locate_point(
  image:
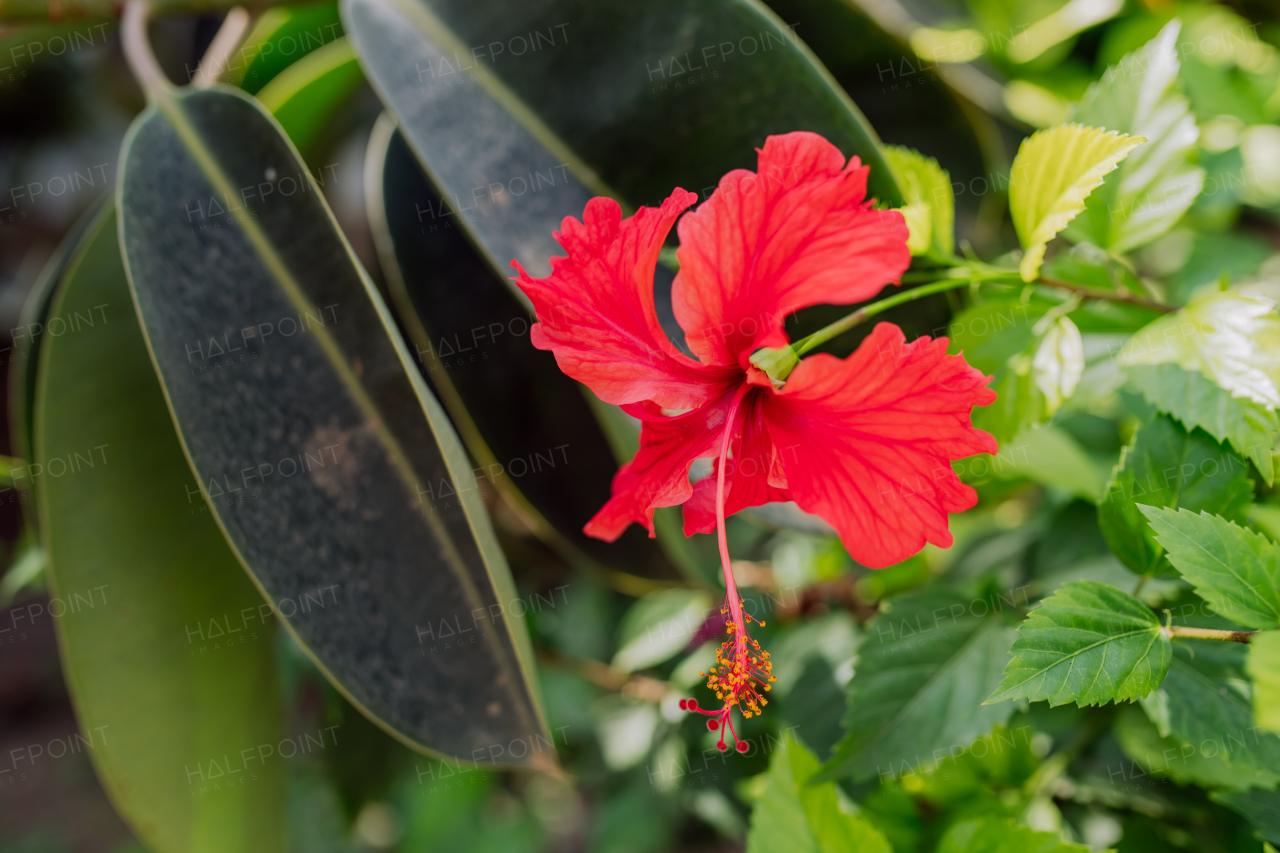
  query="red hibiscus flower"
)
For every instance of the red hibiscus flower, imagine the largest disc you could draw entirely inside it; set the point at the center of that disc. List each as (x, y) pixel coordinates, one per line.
(865, 442)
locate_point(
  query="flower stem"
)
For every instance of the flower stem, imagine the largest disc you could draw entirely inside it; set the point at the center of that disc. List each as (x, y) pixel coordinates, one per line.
(866, 312)
(1179, 631)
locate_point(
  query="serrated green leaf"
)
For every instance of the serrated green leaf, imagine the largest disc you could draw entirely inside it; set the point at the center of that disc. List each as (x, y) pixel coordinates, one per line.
(392, 521)
(1088, 643)
(1001, 835)
(1052, 175)
(1170, 758)
(169, 657)
(998, 338)
(659, 626)
(924, 667)
(792, 816)
(1232, 568)
(1233, 337)
(1046, 454)
(1263, 666)
(1207, 714)
(1167, 466)
(1259, 806)
(930, 208)
(1154, 186)
(1198, 401)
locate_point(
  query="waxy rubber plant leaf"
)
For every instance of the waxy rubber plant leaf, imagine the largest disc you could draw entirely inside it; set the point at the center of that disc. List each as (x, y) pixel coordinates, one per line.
(304, 96)
(513, 136)
(281, 37)
(326, 461)
(537, 444)
(931, 205)
(924, 667)
(1000, 835)
(1232, 337)
(1052, 175)
(793, 816)
(1088, 643)
(1263, 666)
(1234, 569)
(1197, 401)
(167, 648)
(1166, 466)
(1156, 184)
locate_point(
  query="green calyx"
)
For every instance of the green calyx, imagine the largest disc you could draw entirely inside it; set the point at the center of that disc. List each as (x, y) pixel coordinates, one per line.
(777, 363)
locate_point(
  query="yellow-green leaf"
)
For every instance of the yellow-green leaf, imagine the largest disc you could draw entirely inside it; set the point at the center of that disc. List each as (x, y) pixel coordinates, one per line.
(930, 207)
(1053, 174)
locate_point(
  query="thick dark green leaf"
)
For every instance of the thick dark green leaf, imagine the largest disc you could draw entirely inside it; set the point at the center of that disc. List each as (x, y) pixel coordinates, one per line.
(328, 464)
(538, 444)
(304, 96)
(23, 357)
(166, 645)
(792, 816)
(520, 132)
(924, 667)
(1166, 466)
(279, 38)
(1234, 569)
(1088, 643)
(1000, 835)
(1197, 401)
(1207, 714)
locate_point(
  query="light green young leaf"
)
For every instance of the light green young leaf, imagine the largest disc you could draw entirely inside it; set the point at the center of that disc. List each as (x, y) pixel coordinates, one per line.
(1058, 363)
(658, 626)
(1207, 715)
(1167, 466)
(1155, 186)
(1000, 835)
(1046, 454)
(1263, 666)
(1198, 401)
(1052, 175)
(924, 667)
(795, 817)
(930, 208)
(1234, 569)
(1088, 643)
(1232, 337)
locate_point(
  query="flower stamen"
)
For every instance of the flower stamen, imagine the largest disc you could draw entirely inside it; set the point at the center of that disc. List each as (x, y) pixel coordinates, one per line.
(743, 671)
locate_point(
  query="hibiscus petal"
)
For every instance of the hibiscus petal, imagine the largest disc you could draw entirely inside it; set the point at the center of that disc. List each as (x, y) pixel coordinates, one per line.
(766, 244)
(595, 311)
(659, 473)
(747, 480)
(867, 442)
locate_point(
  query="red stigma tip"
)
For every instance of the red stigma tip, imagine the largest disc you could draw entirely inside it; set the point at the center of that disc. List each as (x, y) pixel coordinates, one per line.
(742, 746)
(684, 704)
(722, 746)
(693, 704)
(712, 725)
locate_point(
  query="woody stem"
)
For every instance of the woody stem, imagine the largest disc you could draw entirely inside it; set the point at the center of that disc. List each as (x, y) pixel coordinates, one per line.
(735, 607)
(1176, 631)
